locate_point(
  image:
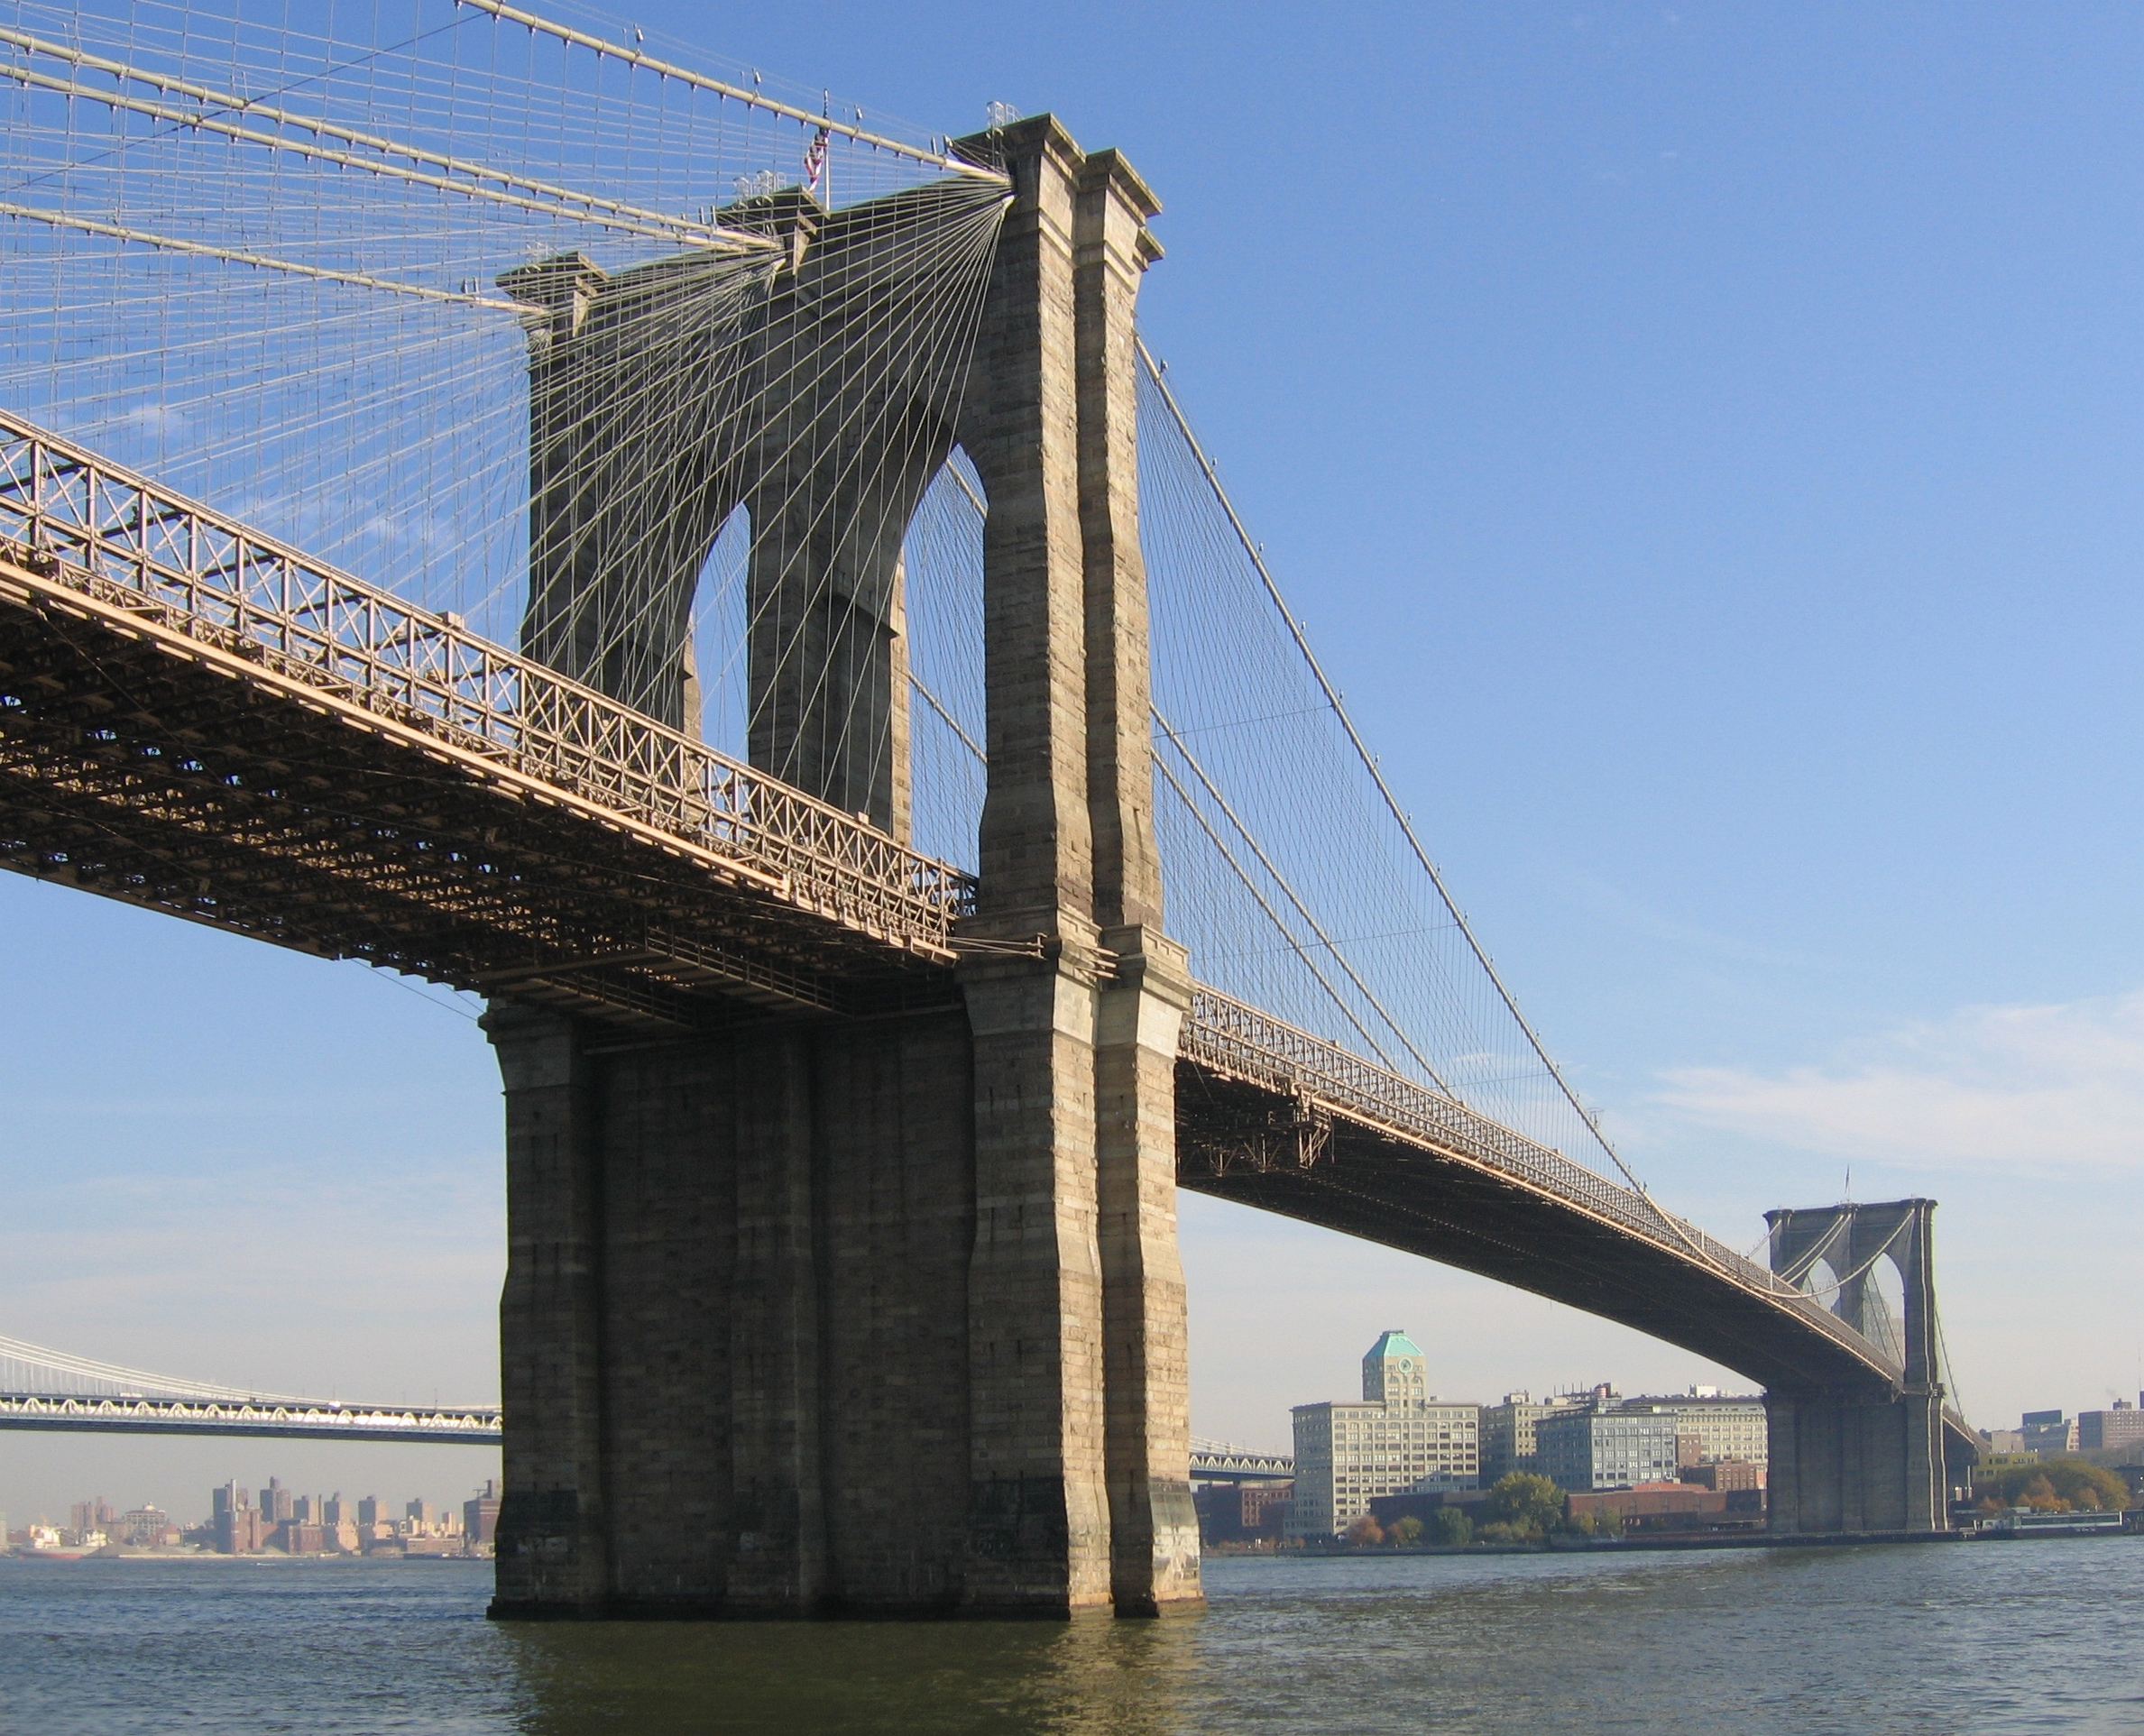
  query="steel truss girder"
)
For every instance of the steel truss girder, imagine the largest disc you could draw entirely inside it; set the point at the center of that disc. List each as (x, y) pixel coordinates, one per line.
(215, 799)
(84, 537)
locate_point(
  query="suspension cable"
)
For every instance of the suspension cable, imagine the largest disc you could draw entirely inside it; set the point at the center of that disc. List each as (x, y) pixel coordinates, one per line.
(1368, 760)
(735, 93)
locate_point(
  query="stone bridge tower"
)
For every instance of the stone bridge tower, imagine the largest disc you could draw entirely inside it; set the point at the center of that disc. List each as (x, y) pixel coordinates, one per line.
(1869, 1458)
(867, 1313)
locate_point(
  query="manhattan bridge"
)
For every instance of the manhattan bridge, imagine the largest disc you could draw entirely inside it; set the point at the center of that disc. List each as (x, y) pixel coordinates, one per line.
(718, 574)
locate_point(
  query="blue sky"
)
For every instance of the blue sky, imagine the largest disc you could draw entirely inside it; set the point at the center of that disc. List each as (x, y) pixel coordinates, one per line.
(1704, 442)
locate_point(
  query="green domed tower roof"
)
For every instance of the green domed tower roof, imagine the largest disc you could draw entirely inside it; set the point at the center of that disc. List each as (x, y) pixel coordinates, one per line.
(1395, 1371)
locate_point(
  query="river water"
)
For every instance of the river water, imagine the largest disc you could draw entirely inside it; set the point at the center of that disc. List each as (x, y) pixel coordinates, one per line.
(2042, 1635)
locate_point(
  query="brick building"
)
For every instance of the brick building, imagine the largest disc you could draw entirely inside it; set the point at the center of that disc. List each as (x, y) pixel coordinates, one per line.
(1243, 1513)
(1675, 1507)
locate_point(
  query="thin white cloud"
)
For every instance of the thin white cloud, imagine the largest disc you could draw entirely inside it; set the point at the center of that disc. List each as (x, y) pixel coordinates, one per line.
(2006, 1088)
(1614, 905)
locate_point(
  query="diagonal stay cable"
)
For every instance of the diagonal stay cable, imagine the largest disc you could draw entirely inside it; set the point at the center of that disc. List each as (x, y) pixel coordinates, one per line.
(633, 56)
(1295, 898)
(655, 226)
(265, 262)
(1368, 760)
(947, 718)
(1272, 915)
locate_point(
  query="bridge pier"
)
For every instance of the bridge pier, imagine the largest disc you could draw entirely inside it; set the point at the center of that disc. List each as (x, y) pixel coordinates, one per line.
(734, 1320)
(884, 1313)
(1864, 1460)
(1855, 1462)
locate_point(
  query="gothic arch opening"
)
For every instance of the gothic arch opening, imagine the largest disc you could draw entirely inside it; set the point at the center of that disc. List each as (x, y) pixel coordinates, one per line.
(943, 586)
(1822, 1281)
(717, 633)
(1883, 1307)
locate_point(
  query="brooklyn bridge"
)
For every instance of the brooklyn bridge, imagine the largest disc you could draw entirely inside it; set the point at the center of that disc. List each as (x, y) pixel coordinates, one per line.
(723, 579)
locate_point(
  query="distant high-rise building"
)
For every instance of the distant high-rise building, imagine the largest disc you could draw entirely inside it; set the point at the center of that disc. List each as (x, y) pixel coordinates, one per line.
(147, 1526)
(480, 1516)
(1507, 1436)
(369, 1511)
(1394, 1372)
(2106, 1431)
(1724, 1426)
(2048, 1431)
(237, 1526)
(86, 1517)
(1400, 1438)
(334, 1509)
(421, 1514)
(277, 1504)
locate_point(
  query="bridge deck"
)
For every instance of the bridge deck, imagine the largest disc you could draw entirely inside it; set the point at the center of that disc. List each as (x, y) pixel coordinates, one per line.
(286, 1419)
(200, 719)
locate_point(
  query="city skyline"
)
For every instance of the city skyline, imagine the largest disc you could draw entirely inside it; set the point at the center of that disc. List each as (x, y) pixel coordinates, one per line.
(19, 1514)
(50, 1472)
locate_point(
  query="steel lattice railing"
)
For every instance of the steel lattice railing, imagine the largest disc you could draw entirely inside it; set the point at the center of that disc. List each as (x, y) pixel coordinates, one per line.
(123, 540)
(1240, 1041)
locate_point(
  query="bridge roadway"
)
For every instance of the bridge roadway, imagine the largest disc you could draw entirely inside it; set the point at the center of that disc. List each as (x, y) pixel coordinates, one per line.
(203, 721)
(281, 1419)
(1216, 1461)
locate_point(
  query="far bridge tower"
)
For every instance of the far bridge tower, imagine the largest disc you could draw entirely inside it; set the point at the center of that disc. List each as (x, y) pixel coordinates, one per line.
(1871, 1457)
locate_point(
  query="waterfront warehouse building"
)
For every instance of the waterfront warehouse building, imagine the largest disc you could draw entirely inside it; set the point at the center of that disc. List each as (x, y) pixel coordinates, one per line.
(1401, 1437)
(1723, 1427)
(1507, 1433)
(1606, 1447)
